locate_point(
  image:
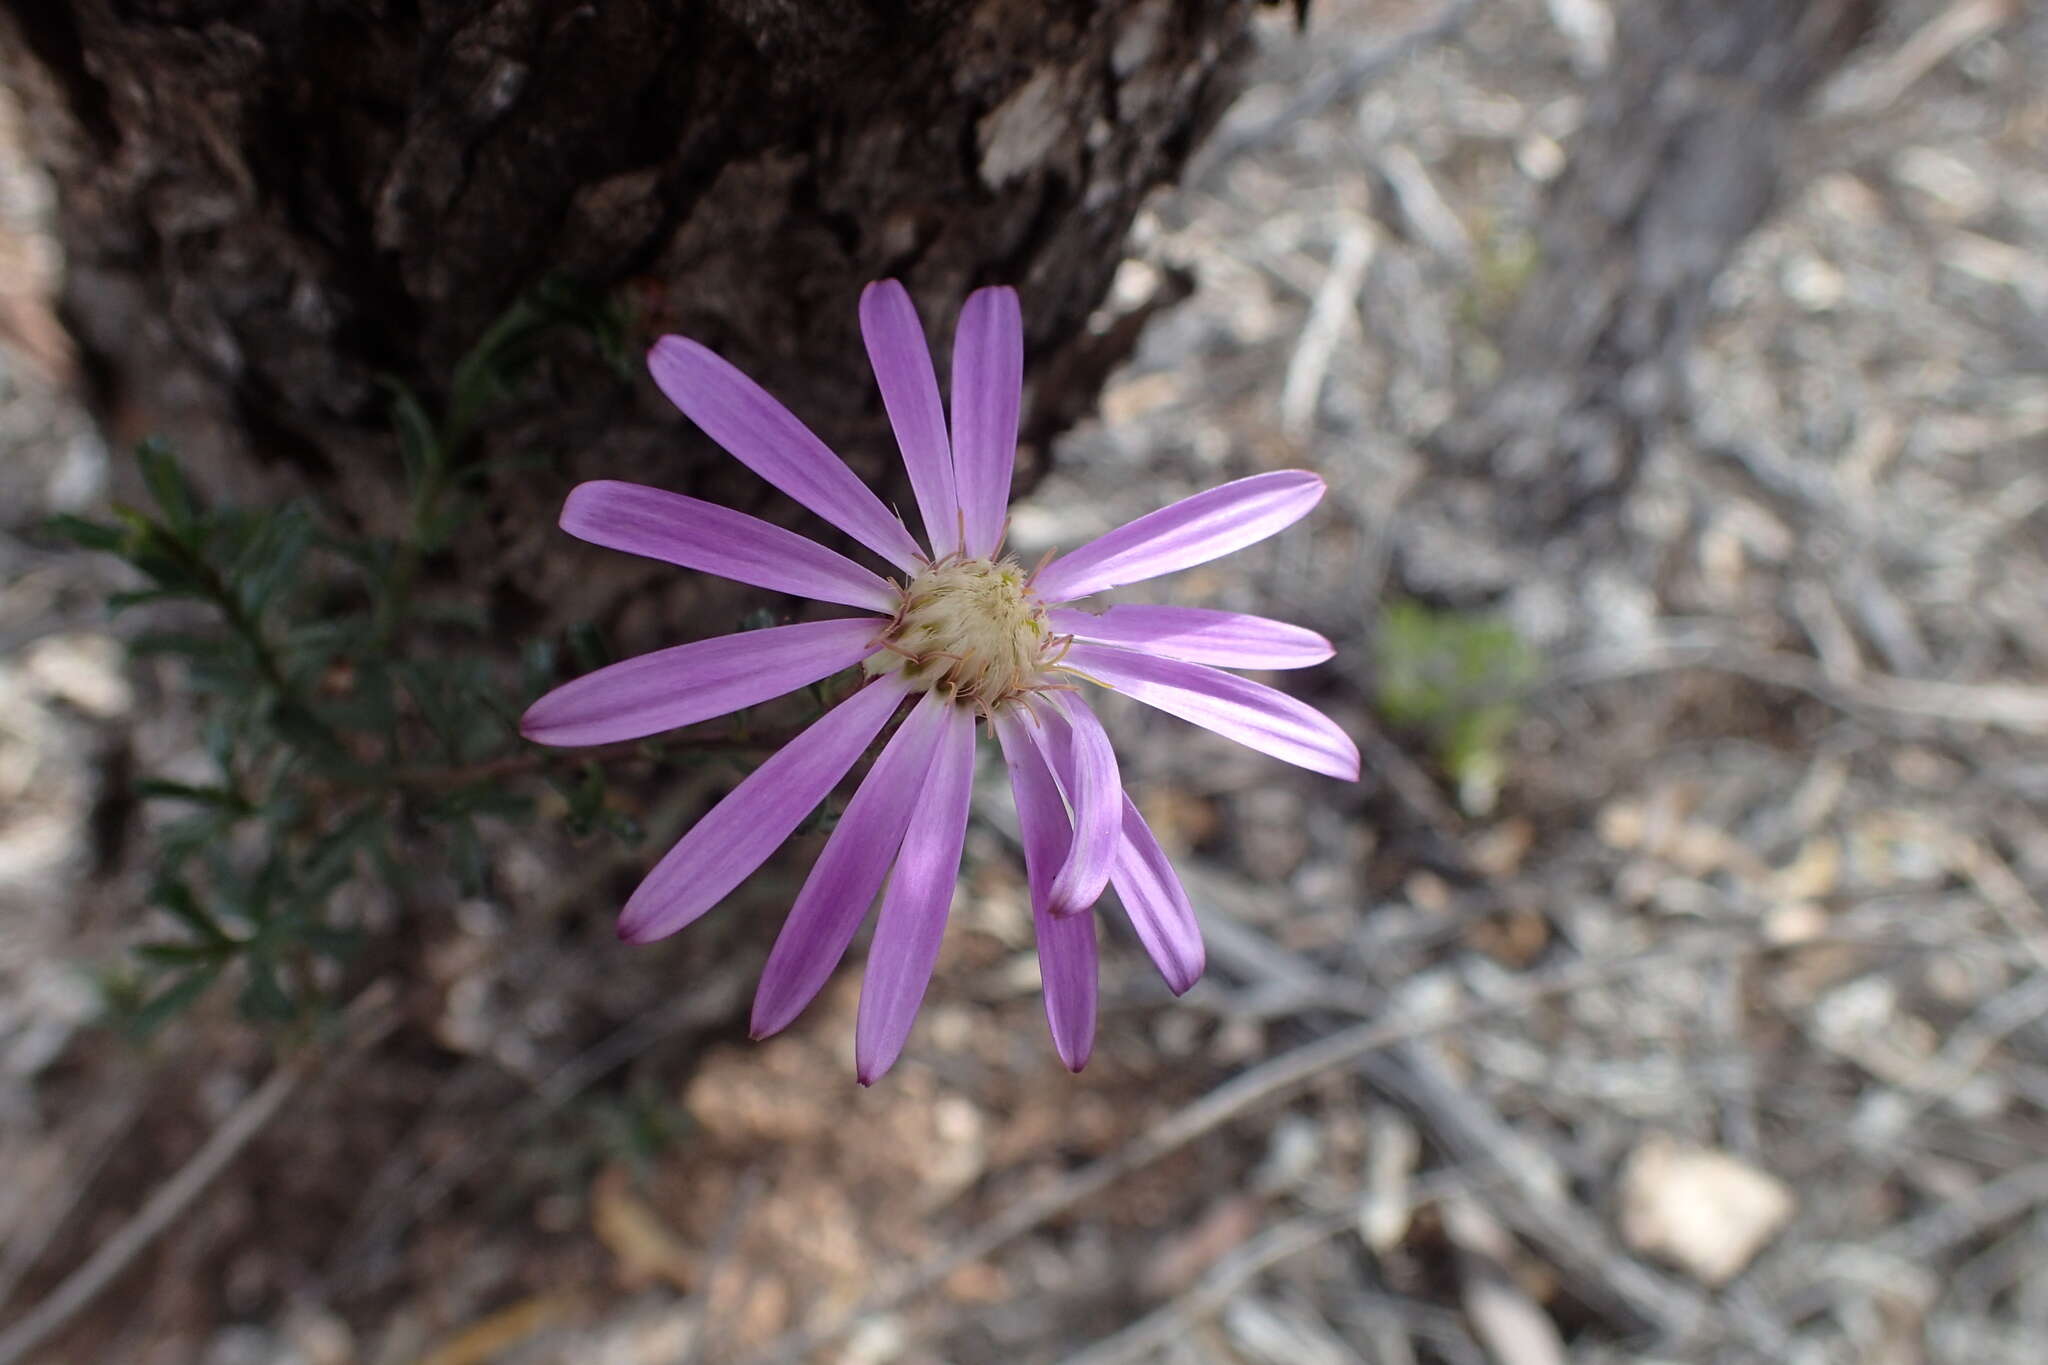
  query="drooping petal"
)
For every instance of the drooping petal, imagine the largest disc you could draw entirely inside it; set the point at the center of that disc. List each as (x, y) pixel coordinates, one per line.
(1180, 535)
(1042, 822)
(1253, 714)
(688, 683)
(910, 392)
(1157, 904)
(767, 438)
(1067, 970)
(912, 921)
(843, 882)
(1066, 943)
(712, 539)
(737, 835)
(1077, 750)
(1227, 639)
(988, 382)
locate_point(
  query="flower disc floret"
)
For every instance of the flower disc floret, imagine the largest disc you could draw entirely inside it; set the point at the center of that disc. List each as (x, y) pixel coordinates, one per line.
(970, 628)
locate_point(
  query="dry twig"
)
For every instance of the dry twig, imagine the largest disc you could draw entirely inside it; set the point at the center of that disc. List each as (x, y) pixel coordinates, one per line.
(367, 1020)
(1248, 1091)
(2006, 706)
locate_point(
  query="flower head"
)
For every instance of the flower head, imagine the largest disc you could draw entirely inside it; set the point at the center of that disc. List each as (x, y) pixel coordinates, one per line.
(964, 635)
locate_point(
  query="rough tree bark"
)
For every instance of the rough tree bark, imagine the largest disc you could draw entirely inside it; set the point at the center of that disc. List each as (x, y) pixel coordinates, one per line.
(1679, 160)
(268, 206)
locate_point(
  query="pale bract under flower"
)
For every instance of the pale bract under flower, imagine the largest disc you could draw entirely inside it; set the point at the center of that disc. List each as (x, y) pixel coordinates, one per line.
(960, 635)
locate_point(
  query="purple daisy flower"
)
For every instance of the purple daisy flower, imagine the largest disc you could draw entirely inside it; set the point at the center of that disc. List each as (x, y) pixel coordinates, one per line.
(964, 634)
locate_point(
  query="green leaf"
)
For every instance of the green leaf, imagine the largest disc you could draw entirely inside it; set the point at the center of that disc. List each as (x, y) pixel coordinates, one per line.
(585, 798)
(331, 860)
(1459, 678)
(170, 1002)
(180, 791)
(419, 444)
(221, 738)
(485, 798)
(537, 662)
(262, 997)
(180, 839)
(331, 942)
(301, 728)
(272, 556)
(435, 706)
(176, 564)
(368, 706)
(176, 898)
(466, 858)
(135, 597)
(88, 535)
(470, 616)
(168, 487)
(450, 513)
(181, 954)
(185, 643)
(588, 648)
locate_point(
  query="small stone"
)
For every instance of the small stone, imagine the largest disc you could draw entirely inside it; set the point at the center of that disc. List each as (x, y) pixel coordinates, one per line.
(1621, 824)
(83, 670)
(1291, 1155)
(1814, 873)
(1794, 923)
(1814, 284)
(1703, 1211)
(1540, 158)
(876, 1339)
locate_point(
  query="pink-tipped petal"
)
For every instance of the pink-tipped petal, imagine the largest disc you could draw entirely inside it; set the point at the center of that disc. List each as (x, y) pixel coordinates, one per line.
(1253, 714)
(843, 882)
(685, 684)
(767, 438)
(1157, 904)
(988, 382)
(1066, 943)
(717, 540)
(1227, 639)
(1192, 531)
(913, 917)
(737, 835)
(910, 393)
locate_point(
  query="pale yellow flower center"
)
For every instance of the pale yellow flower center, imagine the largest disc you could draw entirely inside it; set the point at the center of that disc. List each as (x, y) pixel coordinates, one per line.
(971, 627)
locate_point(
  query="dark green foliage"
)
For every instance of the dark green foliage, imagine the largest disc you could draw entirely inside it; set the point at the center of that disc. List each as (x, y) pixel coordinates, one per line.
(352, 722)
